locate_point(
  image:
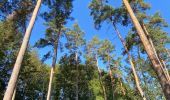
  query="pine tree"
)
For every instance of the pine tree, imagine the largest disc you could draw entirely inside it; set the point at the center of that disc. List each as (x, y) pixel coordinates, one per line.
(105, 13)
(156, 65)
(92, 50)
(56, 19)
(12, 82)
(74, 44)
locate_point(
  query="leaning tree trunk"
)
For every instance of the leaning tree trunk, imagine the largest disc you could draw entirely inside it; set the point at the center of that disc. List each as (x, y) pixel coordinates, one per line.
(119, 79)
(131, 63)
(52, 71)
(12, 82)
(100, 79)
(165, 84)
(156, 54)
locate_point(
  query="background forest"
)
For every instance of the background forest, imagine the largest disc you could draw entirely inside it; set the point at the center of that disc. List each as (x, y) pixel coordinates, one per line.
(84, 50)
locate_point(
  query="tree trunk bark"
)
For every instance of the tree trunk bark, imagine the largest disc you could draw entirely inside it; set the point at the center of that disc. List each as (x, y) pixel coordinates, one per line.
(12, 82)
(52, 71)
(100, 79)
(165, 84)
(156, 54)
(53, 65)
(131, 63)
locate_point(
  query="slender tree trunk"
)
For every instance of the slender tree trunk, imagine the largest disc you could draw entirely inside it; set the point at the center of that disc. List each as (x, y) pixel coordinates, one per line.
(50, 83)
(77, 80)
(100, 79)
(12, 82)
(165, 68)
(165, 84)
(131, 63)
(111, 78)
(119, 78)
(156, 54)
(53, 66)
(52, 72)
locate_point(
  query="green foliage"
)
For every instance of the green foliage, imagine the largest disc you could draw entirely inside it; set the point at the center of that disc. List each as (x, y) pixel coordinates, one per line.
(106, 51)
(75, 38)
(9, 41)
(33, 79)
(66, 81)
(102, 11)
(59, 13)
(32, 71)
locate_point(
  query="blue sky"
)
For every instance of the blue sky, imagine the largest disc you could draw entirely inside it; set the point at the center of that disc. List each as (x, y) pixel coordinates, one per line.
(81, 13)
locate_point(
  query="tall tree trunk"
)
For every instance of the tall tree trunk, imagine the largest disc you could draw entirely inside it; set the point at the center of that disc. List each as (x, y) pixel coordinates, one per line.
(165, 84)
(100, 79)
(119, 79)
(156, 54)
(131, 63)
(12, 82)
(53, 65)
(52, 71)
(77, 76)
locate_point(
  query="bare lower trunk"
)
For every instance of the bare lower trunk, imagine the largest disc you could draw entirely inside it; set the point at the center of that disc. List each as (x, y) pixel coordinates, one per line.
(132, 65)
(52, 72)
(77, 81)
(12, 82)
(50, 83)
(100, 80)
(165, 84)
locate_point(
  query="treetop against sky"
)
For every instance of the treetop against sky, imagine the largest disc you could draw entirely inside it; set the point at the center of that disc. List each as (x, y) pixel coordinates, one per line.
(81, 14)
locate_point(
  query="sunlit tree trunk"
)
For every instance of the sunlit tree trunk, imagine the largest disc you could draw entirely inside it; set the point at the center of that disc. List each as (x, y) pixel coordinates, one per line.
(119, 78)
(165, 84)
(12, 82)
(163, 66)
(100, 79)
(131, 63)
(52, 71)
